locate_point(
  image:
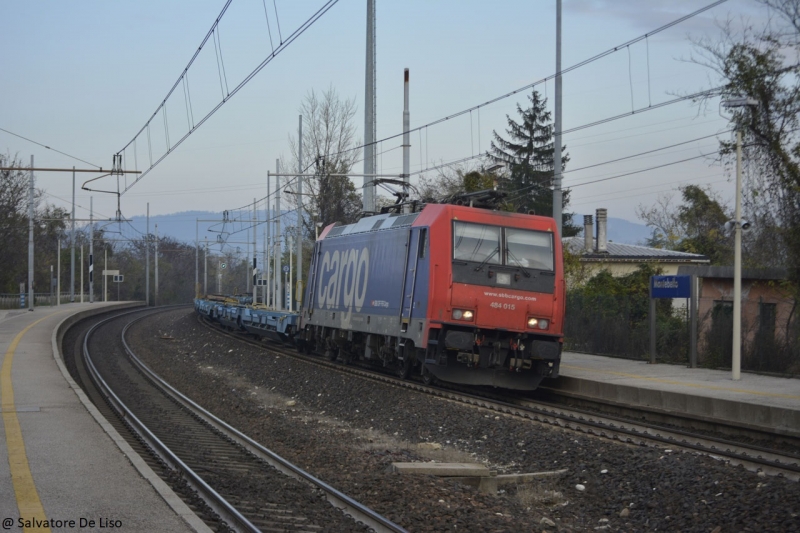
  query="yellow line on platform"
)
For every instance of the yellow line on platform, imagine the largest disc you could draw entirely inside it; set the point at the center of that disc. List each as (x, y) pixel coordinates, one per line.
(30, 507)
(704, 386)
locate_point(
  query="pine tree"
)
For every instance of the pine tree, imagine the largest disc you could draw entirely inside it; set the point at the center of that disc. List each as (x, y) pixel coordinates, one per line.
(528, 156)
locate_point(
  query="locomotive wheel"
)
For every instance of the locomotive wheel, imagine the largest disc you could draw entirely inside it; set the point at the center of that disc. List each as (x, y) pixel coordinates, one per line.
(331, 354)
(404, 369)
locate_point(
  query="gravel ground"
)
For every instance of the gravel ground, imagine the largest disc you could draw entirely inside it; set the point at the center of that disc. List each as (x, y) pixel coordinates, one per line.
(348, 431)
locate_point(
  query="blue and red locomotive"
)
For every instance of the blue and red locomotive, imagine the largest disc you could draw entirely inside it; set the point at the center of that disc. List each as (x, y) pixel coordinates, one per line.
(455, 293)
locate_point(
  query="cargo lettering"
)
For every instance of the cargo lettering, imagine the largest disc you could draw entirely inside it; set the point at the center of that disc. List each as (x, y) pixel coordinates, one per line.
(348, 273)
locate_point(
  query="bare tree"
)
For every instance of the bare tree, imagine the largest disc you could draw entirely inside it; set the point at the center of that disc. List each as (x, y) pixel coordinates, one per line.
(763, 63)
(330, 147)
(448, 181)
(661, 218)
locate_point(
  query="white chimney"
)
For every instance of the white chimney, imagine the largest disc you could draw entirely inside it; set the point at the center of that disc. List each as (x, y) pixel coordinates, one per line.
(602, 235)
(588, 234)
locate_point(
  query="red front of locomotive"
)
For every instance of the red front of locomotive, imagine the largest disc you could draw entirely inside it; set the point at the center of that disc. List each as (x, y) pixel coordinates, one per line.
(496, 297)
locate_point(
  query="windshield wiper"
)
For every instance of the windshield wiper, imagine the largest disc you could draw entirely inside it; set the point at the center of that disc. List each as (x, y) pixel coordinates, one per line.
(488, 258)
(518, 265)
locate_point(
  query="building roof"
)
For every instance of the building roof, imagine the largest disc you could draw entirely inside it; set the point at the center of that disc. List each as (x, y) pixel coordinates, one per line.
(625, 253)
(726, 272)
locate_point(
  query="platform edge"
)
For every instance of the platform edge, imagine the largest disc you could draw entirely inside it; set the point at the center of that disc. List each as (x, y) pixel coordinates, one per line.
(163, 490)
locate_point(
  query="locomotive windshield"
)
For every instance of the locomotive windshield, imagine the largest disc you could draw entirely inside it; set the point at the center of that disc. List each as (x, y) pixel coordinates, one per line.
(476, 242)
(507, 246)
(529, 249)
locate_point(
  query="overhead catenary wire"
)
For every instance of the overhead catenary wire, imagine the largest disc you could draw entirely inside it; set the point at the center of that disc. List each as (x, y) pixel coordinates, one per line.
(49, 148)
(277, 20)
(480, 156)
(563, 71)
(693, 180)
(269, 30)
(284, 44)
(646, 152)
(572, 68)
(577, 128)
(642, 170)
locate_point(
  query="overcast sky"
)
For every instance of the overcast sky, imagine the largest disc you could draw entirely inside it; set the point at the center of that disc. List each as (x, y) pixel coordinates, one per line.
(84, 77)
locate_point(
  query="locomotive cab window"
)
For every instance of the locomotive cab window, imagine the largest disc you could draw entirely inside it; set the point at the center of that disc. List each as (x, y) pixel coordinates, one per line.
(476, 242)
(494, 245)
(529, 249)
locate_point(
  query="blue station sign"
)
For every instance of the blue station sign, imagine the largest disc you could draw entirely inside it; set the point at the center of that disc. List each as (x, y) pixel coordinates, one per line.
(670, 286)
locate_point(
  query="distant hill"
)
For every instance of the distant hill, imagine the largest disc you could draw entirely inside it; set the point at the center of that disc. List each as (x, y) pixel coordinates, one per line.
(181, 226)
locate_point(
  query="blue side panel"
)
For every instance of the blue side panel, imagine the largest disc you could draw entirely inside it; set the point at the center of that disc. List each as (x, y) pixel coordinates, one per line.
(360, 273)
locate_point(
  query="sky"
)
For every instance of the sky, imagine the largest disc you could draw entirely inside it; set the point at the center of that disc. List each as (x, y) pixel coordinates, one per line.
(84, 78)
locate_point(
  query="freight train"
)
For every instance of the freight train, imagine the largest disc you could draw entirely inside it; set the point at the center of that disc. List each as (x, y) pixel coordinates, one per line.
(449, 292)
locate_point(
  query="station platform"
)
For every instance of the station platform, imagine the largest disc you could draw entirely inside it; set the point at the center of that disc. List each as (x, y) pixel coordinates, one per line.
(61, 464)
(758, 402)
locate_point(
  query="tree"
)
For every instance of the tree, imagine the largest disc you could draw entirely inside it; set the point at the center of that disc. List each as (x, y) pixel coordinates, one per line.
(661, 218)
(696, 226)
(528, 157)
(762, 64)
(450, 181)
(704, 217)
(329, 147)
(13, 224)
(49, 225)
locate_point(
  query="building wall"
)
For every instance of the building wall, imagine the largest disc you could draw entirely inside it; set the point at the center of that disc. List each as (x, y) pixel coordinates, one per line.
(754, 293)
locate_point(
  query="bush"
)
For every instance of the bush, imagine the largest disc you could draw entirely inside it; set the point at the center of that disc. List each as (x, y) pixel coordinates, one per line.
(610, 316)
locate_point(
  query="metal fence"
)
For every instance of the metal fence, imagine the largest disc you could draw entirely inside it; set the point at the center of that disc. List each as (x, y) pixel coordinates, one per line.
(619, 326)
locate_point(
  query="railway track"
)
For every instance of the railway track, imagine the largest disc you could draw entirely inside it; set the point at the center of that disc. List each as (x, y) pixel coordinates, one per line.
(243, 486)
(762, 459)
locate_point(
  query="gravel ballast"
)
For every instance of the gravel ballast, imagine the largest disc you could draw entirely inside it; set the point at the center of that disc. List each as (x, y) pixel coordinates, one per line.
(347, 431)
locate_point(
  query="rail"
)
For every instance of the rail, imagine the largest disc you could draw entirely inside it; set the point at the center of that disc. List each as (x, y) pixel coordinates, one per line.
(358, 511)
(218, 504)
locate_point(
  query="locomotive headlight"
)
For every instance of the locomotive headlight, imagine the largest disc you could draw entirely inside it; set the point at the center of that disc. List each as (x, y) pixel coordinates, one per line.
(462, 314)
(540, 323)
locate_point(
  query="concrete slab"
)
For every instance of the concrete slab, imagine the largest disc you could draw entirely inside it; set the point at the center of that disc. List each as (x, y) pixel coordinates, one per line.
(756, 401)
(77, 468)
(443, 469)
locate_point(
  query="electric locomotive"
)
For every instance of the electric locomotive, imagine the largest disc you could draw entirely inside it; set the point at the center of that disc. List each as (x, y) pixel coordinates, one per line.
(456, 293)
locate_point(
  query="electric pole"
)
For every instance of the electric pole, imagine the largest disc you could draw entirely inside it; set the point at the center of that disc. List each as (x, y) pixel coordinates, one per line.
(30, 241)
(369, 113)
(557, 194)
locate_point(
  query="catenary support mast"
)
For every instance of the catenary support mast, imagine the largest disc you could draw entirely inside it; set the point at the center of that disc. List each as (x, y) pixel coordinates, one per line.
(299, 224)
(369, 113)
(557, 194)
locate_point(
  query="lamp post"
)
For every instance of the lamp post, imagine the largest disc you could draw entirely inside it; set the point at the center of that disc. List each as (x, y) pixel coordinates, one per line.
(736, 356)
